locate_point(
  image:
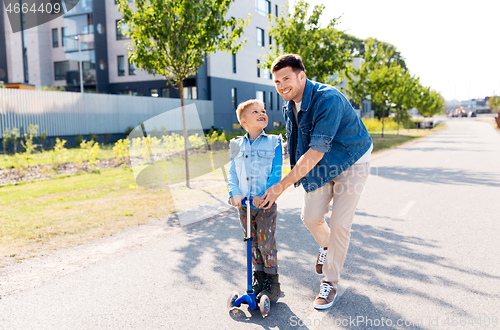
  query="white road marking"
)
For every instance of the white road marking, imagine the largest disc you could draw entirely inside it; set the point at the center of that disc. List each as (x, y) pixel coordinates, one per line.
(406, 209)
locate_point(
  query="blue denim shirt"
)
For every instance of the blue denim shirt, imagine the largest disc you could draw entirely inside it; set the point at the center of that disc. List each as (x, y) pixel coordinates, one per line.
(255, 165)
(327, 123)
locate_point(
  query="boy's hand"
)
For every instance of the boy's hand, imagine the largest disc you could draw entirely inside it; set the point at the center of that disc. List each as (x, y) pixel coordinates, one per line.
(236, 200)
(256, 201)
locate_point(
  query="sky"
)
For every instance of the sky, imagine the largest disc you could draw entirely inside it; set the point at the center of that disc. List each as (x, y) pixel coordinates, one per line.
(453, 46)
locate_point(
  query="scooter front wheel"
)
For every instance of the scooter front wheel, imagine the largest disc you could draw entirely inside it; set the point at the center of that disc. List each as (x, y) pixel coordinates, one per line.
(265, 305)
(231, 299)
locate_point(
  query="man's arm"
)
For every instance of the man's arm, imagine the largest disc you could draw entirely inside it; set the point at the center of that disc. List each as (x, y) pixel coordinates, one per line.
(303, 166)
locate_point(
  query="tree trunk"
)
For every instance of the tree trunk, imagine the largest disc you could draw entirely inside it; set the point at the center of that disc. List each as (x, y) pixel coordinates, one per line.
(408, 120)
(399, 112)
(383, 120)
(361, 109)
(181, 90)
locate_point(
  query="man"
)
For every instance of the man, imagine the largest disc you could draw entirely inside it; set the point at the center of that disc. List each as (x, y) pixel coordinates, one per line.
(329, 149)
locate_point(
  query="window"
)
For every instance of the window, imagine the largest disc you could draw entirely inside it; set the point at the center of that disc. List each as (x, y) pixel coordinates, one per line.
(153, 92)
(234, 63)
(62, 36)
(277, 101)
(234, 101)
(263, 7)
(190, 93)
(270, 40)
(267, 74)
(276, 7)
(165, 92)
(260, 37)
(270, 100)
(258, 69)
(121, 65)
(261, 96)
(60, 69)
(121, 30)
(131, 68)
(55, 38)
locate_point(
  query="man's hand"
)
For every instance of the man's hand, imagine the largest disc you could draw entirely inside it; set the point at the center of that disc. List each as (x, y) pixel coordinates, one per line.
(236, 200)
(303, 166)
(270, 196)
(256, 201)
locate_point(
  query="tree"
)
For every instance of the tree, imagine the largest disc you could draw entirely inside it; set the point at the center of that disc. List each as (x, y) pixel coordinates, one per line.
(374, 54)
(381, 82)
(323, 51)
(430, 102)
(404, 94)
(172, 37)
(494, 104)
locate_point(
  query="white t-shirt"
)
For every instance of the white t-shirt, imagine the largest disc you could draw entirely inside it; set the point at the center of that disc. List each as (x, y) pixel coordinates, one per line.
(364, 159)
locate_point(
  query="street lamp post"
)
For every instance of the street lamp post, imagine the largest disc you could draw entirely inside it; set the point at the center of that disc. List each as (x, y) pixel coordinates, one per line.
(78, 37)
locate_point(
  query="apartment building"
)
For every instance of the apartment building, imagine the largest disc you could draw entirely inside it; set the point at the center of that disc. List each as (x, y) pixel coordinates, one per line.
(50, 55)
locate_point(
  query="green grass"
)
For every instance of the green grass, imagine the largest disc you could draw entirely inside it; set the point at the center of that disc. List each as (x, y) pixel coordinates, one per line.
(67, 211)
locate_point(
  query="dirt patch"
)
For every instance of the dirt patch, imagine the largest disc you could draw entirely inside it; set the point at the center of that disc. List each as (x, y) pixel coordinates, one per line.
(46, 172)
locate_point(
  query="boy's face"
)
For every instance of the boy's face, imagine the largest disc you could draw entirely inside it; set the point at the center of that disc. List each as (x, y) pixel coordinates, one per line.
(254, 117)
(290, 85)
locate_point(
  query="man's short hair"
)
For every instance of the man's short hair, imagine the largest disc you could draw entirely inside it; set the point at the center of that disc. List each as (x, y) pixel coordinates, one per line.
(288, 60)
(244, 105)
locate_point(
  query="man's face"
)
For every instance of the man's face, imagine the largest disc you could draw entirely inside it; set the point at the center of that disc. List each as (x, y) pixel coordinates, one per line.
(290, 85)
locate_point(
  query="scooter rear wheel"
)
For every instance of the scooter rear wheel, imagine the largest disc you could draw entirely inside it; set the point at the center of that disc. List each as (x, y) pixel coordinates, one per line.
(265, 305)
(231, 299)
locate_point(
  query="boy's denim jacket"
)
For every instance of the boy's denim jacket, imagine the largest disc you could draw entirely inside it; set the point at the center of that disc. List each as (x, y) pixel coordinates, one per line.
(254, 166)
(327, 123)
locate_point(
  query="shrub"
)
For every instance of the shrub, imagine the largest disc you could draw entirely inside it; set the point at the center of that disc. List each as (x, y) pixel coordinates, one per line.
(121, 151)
(28, 144)
(5, 140)
(14, 135)
(78, 140)
(59, 153)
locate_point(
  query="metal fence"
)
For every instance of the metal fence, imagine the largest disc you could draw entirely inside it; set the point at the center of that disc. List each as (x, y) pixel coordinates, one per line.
(66, 114)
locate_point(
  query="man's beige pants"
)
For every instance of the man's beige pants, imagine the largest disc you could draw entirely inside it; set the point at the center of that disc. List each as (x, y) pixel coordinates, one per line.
(345, 190)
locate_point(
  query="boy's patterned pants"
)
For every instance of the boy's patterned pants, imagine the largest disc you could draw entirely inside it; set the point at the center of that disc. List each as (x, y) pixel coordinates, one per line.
(263, 226)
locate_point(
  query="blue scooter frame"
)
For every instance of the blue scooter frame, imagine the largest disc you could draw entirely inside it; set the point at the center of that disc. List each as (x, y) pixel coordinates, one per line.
(249, 297)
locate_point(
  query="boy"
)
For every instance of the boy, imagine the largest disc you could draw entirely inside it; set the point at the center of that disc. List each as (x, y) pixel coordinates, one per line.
(256, 161)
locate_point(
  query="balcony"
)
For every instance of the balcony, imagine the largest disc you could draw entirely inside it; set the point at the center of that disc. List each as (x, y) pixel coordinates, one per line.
(78, 7)
(71, 44)
(73, 77)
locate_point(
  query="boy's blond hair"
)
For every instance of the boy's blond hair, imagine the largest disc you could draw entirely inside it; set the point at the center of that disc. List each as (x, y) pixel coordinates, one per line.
(244, 105)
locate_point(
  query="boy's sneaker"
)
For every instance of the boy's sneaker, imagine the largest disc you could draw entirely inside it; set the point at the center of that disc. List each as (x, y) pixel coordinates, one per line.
(326, 296)
(321, 260)
(272, 287)
(259, 278)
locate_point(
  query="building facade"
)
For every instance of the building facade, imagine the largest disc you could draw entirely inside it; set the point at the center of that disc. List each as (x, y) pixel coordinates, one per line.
(50, 55)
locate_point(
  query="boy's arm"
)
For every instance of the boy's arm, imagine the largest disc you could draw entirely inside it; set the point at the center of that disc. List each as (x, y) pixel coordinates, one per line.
(276, 168)
(233, 180)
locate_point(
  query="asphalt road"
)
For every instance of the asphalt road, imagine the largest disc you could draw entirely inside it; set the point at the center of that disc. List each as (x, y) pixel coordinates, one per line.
(424, 254)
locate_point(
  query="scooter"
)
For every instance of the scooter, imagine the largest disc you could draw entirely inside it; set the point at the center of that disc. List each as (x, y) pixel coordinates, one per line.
(249, 297)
